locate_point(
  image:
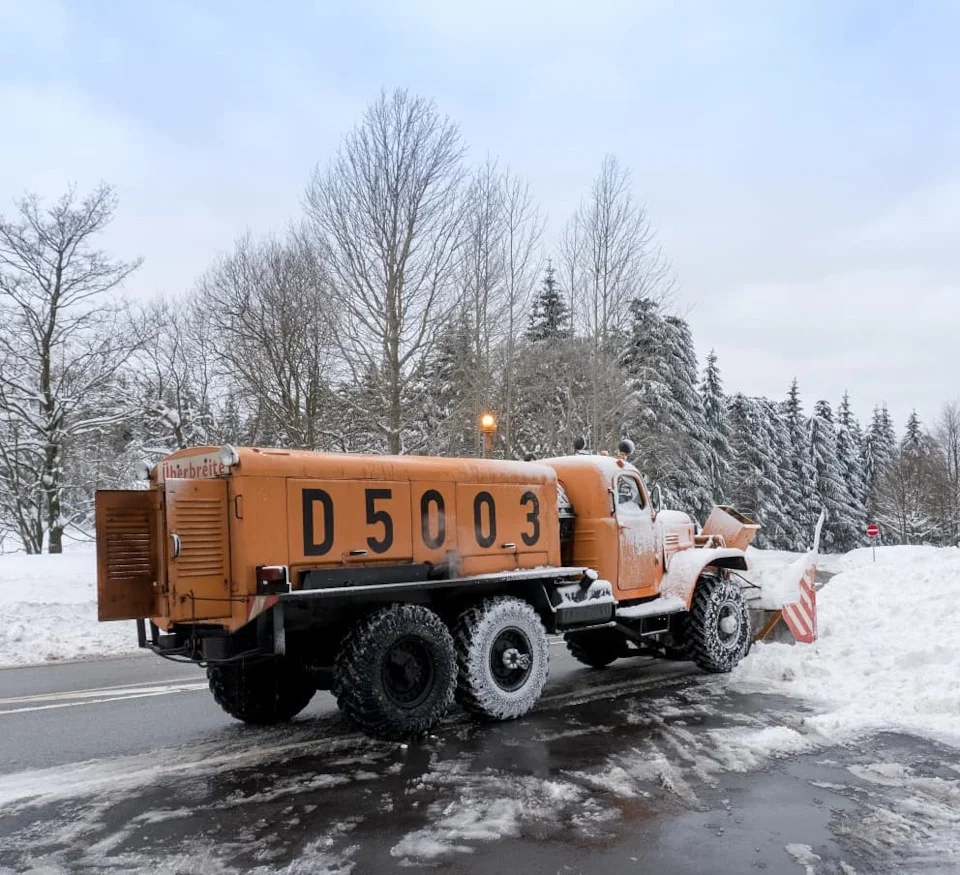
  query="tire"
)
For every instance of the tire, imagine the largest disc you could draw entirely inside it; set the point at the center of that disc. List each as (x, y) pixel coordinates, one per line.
(503, 658)
(396, 672)
(718, 626)
(595, 649)
(262, 693)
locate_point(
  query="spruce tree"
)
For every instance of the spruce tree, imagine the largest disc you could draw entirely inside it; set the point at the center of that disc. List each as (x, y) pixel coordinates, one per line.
(849, 455)
(799, 472)
(550, 317)
(684, 418)
(913, 434)
(842, 526)
(642, 360)
(879, 450)
(717, 428)
(753, 491)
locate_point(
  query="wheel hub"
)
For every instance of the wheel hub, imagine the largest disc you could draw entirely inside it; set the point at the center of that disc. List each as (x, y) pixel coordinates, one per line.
(408, 672)
(511, 659)
(514, 659)
(729, 625)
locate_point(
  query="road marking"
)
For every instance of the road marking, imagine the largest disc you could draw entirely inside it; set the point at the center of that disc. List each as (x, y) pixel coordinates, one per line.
(96, 691)
(97, 697)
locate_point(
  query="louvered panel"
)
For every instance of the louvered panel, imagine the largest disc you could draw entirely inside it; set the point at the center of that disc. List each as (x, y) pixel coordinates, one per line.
(126, 526)
(200, 527)
(200, 573)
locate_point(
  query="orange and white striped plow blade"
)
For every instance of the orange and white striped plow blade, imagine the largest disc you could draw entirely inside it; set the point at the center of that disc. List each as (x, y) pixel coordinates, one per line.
(801, 616)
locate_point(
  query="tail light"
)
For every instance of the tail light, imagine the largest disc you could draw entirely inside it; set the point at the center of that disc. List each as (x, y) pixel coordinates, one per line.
(272, 579)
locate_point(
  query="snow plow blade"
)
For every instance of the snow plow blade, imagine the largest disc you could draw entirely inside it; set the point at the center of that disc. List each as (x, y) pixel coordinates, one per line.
(787, 612)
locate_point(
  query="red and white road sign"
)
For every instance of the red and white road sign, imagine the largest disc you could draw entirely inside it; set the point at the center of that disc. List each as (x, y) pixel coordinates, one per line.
(801, 616)
(873, 531)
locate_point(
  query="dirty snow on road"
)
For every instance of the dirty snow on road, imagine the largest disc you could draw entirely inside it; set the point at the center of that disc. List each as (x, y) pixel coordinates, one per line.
(49, 609)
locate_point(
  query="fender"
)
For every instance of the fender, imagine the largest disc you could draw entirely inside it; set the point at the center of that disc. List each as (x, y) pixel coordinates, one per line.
(686, 567)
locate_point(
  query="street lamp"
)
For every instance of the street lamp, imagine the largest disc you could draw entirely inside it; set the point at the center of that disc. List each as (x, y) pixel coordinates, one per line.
(488, 428)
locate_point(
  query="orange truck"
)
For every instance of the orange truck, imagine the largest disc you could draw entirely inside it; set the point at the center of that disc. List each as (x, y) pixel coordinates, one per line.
(401, 583)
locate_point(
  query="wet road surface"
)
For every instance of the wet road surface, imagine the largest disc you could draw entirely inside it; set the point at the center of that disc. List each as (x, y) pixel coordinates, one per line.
(129, 766)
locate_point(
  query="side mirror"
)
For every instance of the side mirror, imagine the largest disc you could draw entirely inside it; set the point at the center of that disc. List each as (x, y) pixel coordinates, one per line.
(656, 499)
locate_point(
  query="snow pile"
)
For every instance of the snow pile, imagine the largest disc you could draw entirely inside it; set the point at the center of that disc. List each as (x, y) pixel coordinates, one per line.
(48, 606)
(889, 650)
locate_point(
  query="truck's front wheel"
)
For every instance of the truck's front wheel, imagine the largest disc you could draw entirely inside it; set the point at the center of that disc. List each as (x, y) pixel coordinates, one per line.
(718, 625)
(503, 656)
(262, 692)
(396, 671)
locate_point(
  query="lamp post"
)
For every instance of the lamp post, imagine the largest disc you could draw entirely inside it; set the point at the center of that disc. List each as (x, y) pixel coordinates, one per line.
(488, 428)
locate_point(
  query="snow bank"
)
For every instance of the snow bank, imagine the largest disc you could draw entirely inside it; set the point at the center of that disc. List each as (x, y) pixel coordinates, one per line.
(889, 650)
(48, 610)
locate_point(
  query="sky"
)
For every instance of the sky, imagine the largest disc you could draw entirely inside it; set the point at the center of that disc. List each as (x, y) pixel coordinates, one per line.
(799, 160)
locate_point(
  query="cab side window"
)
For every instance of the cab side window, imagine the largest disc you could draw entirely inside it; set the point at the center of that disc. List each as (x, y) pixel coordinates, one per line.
(629, 496)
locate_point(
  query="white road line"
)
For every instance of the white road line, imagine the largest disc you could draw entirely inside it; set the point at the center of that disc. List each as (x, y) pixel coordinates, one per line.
(97, 691)
(97, 697)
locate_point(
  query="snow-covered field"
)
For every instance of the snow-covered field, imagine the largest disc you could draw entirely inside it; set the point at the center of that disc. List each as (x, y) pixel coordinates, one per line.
(48, 610)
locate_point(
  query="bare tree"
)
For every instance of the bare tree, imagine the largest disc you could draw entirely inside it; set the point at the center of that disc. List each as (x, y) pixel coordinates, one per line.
(610, 258)
(947, 434)
(387, 216)
(522, 232)
(482, 282)
(268, 307)
(175, 372)
(611, 255)
(62, 344)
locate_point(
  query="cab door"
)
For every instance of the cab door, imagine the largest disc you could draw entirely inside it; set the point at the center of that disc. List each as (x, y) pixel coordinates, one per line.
(638, 568)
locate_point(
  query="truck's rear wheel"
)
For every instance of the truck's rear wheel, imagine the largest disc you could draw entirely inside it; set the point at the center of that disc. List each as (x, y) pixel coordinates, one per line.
(262, 692)
(718, 625)
(595, 648)
(503, 658)
(396, 672)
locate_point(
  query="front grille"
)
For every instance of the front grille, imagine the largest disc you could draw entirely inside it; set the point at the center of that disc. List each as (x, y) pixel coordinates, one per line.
(126, 540)
(200, 525)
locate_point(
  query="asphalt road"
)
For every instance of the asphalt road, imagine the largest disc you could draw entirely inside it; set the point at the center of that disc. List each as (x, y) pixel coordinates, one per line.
(127, 765)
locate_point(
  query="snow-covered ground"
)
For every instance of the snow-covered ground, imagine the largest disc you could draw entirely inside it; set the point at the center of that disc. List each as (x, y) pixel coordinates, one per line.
(888, 655)
(48, 610)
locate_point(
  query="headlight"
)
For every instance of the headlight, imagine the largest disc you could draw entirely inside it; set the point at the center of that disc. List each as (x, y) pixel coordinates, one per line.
(229, 456)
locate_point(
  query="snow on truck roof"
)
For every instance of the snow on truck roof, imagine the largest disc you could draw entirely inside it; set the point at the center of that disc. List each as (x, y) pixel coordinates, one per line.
(275, 462)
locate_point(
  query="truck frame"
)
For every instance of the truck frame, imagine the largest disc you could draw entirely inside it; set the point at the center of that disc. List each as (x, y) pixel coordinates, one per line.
(403, 583)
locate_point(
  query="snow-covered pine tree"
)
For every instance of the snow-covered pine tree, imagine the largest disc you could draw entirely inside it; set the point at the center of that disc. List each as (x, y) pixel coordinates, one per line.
(842, 527)
(780, 526)
(641, 362)
(849, 454)
(684, 417)
(752, 490)
(913, 434)
(717, 429)
(879, 449)
(447, 394)
(550, 315)
(798, 473)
